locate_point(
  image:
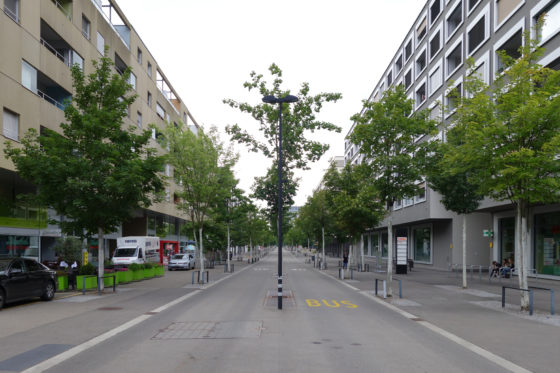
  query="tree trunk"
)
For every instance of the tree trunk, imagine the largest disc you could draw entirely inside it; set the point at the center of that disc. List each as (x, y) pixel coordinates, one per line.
(390, 255)
(201, 254)
(464, 251)
(362, 253)
(228, 249)
(521, 257)
(100, 259)
(251, 248)
(323, 262)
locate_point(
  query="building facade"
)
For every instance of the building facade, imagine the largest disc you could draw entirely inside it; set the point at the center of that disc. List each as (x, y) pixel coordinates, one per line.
(429, 63)
(40, 40)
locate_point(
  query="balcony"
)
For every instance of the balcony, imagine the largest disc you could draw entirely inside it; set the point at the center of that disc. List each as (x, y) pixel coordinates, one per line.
(59, 47)
(51, 92)
(65, 6)
(114, 18)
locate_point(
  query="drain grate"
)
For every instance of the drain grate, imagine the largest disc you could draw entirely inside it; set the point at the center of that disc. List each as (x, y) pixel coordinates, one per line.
(211, 330)
(271, 300)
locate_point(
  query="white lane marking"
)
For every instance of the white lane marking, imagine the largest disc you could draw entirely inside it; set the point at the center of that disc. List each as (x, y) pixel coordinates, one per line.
(452, 337)
(55, 360)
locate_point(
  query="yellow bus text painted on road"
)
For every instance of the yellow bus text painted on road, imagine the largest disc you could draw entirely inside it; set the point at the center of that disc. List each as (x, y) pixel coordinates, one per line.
(330, 304)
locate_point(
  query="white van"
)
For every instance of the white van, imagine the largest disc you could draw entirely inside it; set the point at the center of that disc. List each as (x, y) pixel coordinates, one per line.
(136, 249)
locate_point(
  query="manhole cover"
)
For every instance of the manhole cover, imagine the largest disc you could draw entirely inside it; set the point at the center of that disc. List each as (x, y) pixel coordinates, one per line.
(271, 300)
(109, 308)
(211, 330)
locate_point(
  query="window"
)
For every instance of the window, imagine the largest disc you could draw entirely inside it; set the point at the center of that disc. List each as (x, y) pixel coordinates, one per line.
(408, 79)
(408, 50)
(454, 59)
(511, 48)
(139, 56)
(552, 22)
(435, 11)
(28, 76)
(422, 244)
(478, 31)
(421, 94)
(421, 196)
(453, 97)
(184, 117)
(139, 119)
(11, 8)
(435, 44)
(421, 62)
(160, 111)
(149, 99)
(435, 110)
(77, 60)
(132, 80)
(10, 127)
(100, 43)
(149, 69)
(397, 205)
(389, 78)
(474, 3)
(435, 78)
(454, 20)
(86, 27)
(398, 64)
(421, 31)
(505, 8)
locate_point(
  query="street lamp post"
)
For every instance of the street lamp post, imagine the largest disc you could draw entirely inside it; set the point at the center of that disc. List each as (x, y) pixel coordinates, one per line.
(273, 100)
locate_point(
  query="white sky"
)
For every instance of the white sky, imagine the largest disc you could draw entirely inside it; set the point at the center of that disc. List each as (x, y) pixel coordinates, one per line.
(207, 48)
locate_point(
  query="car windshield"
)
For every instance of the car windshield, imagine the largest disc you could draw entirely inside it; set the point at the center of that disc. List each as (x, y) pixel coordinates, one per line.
(125, 252)
(178, 256)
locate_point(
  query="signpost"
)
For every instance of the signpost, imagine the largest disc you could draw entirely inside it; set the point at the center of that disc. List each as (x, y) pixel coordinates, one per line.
(402, 246)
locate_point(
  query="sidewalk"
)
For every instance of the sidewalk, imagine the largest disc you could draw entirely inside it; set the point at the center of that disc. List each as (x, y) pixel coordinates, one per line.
(474, 314)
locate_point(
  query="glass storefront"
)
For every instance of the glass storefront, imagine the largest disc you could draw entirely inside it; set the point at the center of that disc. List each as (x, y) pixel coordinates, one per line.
(547, 243)
(27, 246)
(507, 238)
(374, 244)
(422, 245)
(384, 244)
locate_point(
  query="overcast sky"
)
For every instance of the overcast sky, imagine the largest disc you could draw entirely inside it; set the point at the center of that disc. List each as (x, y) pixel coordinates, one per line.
(207, 49)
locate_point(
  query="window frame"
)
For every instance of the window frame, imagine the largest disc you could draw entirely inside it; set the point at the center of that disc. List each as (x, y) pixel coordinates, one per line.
(536, 11)
(407, 41)
(424, 50)
(484, 13)
(423, 81)
(470, 10)
(413, 230)
(417, 24)
(520, 25)
(451, 49)
(139, 56)
(99, 35)
(448, 90)
(441, 7)
(431, 90)
(437, 31)
(399, 57)
(88, 22)
(411, 71)
(11, 14)
(498, 25)
(8, 134)
(448, 36)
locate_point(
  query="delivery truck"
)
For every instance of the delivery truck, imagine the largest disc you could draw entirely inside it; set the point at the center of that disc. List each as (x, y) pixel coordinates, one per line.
(136, 249)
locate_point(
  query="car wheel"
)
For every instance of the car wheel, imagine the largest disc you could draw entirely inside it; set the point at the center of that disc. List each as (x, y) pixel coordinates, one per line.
(170, 269)
(49, 291)
(2, 299)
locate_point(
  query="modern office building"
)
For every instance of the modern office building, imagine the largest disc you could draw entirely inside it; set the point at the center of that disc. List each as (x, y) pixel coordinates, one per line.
(429, 62)
(40, 40)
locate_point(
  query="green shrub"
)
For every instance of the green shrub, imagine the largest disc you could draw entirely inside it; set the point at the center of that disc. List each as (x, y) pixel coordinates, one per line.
(148, 265)
(88, 269)
(134, 267)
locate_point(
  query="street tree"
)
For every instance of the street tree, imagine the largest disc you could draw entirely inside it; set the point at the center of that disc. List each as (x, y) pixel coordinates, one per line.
(353, 201)
(510, 134)
(299, 122)
(203, 169)
(95, 172)
(389, 135)
(316, 211)
(458, 193)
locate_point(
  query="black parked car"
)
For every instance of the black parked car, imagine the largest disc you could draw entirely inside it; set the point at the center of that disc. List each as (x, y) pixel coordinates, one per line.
(25, 278)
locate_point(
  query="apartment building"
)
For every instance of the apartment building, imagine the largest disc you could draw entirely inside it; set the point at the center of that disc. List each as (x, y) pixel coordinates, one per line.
(429, 63)
(40, 40)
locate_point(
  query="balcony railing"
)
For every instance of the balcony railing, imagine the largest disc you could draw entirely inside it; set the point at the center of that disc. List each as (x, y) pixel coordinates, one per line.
(63, 10)
(51, 49)
(50, 100)
(10, 13)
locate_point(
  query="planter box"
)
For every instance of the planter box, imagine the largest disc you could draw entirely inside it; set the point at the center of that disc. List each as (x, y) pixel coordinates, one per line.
(137, 275)
(91, 282)
(159, 270)
(108, 281)
(124, 277)
(149, 273)
(62, 283)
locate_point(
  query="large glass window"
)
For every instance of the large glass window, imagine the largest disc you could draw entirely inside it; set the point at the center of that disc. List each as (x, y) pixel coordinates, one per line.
(547, 243)
(423, 244)
(11, 8)
(374, 240)
(10, 125)
(384, 244)
(100, 43)
(28, 76)
(477, 35)
(507, 238)
(552, 20)
(27, 246)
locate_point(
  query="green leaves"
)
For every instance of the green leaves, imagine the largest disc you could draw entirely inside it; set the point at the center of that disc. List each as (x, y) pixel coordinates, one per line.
(88, 172)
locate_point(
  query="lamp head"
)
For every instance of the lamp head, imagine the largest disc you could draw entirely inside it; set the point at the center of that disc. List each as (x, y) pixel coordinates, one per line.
(270, 99)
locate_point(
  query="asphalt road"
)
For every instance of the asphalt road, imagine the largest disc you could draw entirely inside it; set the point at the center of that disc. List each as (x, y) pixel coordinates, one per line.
(235, 326)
